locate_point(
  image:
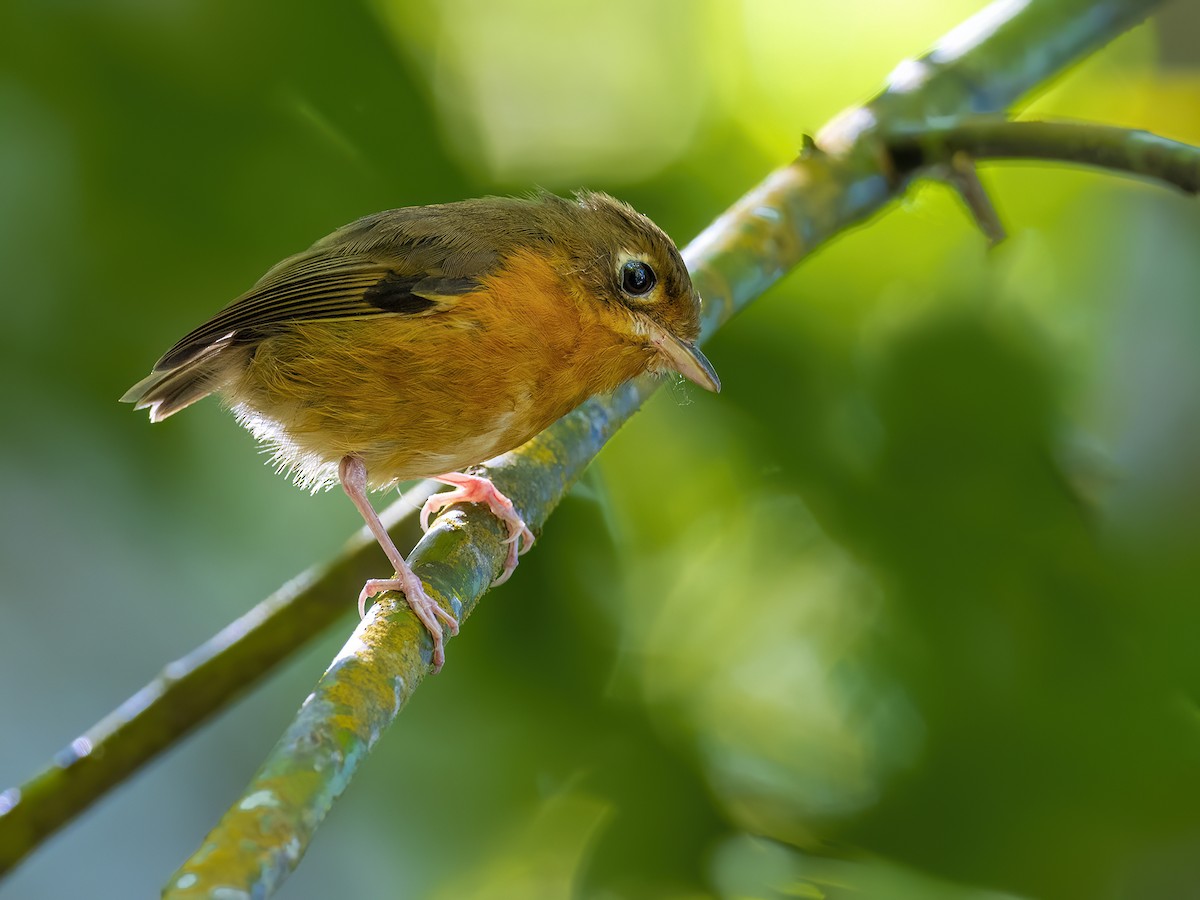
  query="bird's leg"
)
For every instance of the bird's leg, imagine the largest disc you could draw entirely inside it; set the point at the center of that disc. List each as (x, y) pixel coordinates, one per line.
(352, 472)
(477, 489)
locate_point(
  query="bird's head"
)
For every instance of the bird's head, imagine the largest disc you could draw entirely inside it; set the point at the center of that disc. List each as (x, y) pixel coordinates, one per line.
(630, 264)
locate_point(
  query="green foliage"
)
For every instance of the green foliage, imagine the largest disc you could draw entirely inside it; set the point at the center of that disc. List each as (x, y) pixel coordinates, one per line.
(911, 605)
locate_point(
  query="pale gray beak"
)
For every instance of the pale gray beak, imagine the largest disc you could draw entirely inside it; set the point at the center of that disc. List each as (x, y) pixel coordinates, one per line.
(685, 358)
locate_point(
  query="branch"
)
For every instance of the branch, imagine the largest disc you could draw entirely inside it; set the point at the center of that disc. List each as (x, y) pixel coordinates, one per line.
(1122, 150)
(981, 67)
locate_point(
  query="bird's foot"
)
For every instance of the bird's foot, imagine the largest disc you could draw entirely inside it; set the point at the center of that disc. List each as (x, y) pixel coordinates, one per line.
(425, 607)
(477, 489)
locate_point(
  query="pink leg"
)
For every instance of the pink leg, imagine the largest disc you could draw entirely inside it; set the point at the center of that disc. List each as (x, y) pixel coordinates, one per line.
(477, 489)
(353, 474)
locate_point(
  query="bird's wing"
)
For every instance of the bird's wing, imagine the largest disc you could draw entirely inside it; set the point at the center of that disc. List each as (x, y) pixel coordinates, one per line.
(323, 285)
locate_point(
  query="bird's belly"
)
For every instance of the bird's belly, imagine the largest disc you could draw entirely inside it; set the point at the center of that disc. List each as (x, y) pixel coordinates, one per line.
(413, 454)
(406, 411)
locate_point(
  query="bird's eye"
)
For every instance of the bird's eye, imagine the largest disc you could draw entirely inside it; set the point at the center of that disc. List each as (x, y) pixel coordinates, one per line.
(637, 278)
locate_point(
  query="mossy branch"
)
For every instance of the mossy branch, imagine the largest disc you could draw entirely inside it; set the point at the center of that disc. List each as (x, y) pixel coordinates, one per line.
(981, 67)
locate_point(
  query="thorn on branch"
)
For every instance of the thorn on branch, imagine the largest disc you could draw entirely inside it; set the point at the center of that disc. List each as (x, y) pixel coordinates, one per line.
(964, 178)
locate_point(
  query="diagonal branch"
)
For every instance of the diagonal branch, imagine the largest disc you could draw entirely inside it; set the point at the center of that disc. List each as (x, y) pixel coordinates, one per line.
(981, 67)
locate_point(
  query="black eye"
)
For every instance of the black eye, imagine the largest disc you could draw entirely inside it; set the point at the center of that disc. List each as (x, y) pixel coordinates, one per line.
(637, 278)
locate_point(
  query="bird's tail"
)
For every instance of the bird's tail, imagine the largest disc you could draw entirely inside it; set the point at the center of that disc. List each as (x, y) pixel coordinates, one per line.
(166, 391)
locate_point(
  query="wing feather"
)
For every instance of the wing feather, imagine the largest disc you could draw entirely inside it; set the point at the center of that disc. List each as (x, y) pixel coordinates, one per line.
(312, 289)
(409, 262)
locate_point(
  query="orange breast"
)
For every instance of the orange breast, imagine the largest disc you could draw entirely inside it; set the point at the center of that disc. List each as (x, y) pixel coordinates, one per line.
(422, 395)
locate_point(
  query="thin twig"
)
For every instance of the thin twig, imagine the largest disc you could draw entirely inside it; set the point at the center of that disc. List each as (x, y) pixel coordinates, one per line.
(1123, 150)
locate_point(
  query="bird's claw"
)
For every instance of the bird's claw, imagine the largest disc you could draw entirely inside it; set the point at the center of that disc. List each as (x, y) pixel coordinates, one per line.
(522, 537)
(477, 489)
(427, 610)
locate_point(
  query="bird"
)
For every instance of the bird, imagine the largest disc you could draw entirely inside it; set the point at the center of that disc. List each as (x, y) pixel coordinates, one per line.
(419, 342)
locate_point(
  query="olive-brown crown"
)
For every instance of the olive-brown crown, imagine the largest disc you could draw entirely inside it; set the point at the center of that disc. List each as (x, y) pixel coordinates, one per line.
(623, 258)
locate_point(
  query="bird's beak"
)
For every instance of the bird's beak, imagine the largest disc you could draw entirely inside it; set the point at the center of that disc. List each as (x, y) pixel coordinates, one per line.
(685, 358)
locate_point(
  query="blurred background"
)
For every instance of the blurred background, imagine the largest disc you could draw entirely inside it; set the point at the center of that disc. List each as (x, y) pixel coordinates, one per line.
(909, 610)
